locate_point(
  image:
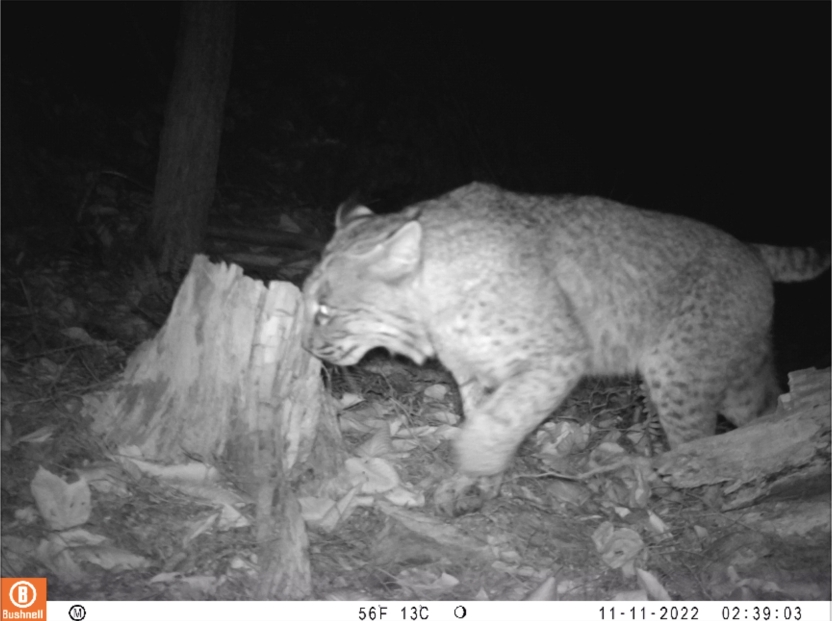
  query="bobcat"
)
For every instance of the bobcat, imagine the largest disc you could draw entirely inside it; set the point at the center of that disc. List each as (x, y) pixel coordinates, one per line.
(520, 295)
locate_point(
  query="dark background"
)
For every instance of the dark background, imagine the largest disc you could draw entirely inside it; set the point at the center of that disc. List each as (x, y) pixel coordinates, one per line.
(720, 111)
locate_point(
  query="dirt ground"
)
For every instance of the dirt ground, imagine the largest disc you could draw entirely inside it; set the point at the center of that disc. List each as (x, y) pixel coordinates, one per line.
(67, 330)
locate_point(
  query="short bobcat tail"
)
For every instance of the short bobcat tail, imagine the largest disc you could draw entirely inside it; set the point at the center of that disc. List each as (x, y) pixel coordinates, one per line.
(794, 264)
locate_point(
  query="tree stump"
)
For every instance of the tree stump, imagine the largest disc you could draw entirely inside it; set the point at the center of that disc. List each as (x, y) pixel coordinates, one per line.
(227, 381)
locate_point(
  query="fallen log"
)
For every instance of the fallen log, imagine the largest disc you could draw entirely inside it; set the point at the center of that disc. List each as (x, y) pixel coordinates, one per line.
(786, 452)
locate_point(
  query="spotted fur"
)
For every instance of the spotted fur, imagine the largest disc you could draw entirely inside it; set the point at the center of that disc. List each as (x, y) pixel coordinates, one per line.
(521, 295)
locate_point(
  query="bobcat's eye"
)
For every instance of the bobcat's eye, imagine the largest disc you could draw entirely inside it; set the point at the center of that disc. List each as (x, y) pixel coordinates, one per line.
(323, 315)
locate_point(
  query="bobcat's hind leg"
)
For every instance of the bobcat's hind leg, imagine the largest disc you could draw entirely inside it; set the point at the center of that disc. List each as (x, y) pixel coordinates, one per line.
(753, 390)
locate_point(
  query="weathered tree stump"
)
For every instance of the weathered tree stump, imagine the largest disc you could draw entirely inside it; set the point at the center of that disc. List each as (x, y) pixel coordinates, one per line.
(227, 381)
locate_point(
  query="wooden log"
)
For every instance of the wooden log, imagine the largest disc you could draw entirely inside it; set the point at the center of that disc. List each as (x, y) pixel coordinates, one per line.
(787, 451)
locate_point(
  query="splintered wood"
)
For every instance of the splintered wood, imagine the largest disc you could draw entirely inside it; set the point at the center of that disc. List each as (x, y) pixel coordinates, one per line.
(227, 381)
(786, 451)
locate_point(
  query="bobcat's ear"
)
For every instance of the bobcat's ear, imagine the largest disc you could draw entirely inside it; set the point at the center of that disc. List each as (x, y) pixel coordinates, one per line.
(349, 211)
(399, 255)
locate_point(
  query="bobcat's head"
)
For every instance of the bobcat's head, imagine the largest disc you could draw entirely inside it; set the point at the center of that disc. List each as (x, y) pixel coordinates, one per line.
(364, 292)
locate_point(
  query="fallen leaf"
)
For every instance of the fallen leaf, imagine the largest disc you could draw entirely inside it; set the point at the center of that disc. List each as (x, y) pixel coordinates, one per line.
(230, 518)
(105, 478)
(630, 596)
(403, 497)
(54, 555)
(655, 590)
(617, 547)
(656, 524)
(77, 334)
(378, 445)
(546, 592)
(62, 505)
(375, 475)
(26, 515)
(39, 436)
(348, 400)
(169, 576)
(200, 527)
(324, 513)
(568, 492)
(110, 557)
(436, 392)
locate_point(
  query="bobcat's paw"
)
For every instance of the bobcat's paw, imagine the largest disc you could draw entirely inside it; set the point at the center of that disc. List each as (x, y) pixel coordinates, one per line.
(463, 494)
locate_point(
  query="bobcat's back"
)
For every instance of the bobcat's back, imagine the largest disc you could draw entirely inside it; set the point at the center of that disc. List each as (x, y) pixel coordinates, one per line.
(520, 295)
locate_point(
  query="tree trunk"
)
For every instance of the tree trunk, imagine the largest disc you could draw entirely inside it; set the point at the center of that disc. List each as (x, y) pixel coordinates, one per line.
(190, 141)
(227, 381)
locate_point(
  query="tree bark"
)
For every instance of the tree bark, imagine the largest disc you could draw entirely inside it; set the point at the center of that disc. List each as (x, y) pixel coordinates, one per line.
(190, 141)
(227, 381)
(787, 452)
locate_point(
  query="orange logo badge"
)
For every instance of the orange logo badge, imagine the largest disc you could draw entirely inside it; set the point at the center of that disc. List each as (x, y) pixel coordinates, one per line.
(23, 598)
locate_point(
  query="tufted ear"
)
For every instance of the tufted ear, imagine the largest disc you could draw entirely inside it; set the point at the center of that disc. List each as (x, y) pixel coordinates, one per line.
(349, 211)
(399, 254)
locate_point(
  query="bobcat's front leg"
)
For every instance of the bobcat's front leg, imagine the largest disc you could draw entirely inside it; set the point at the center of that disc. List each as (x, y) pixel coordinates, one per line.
(497, 419)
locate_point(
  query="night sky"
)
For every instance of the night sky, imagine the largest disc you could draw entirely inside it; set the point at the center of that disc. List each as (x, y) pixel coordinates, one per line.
(720, 111)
